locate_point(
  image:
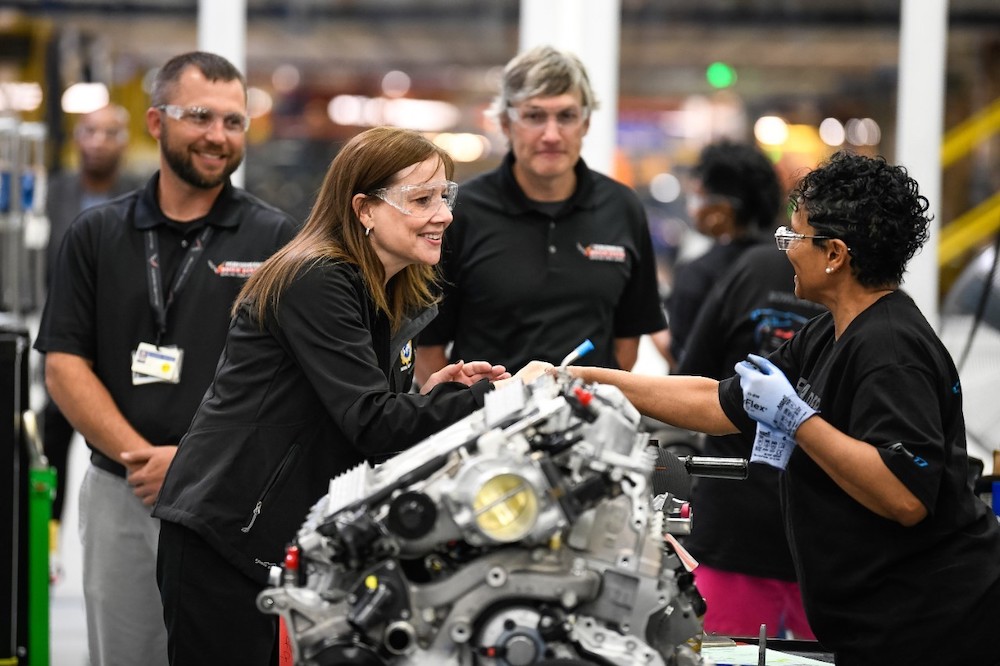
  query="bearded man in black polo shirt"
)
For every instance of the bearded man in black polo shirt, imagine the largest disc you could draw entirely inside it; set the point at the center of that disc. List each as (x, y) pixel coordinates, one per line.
(544, 252)
(135, 321)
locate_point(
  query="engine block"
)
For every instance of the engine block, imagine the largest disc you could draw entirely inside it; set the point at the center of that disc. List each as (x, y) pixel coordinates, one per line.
(525, 533)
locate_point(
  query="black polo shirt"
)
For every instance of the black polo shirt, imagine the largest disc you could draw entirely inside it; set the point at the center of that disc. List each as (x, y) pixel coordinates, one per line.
(525, 280)
(99, 307)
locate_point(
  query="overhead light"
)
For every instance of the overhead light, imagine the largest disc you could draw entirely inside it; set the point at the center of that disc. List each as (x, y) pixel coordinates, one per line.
(395, 83)
(259, 102)
(770, 130)
(85, 97)
(832, 132)
(463, 147)
(20, 96)
(423, 115)
(665, 187)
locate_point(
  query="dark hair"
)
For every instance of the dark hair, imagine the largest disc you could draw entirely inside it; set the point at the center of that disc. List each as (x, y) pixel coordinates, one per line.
(214, 67)
(333, 231)
(873, 206)
(746, 176)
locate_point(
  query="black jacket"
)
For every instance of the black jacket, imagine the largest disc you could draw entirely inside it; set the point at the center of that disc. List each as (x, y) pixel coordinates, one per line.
(320, 388)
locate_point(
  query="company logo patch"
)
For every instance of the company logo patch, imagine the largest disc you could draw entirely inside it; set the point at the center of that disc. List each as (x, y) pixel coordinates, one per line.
(406, 356)
(599, 252)
(238, 269)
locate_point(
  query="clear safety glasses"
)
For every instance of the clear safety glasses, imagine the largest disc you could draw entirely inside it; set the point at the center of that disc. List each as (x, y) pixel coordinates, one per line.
(784, 237)
(423, 199)
(536, 118)
(202, 118)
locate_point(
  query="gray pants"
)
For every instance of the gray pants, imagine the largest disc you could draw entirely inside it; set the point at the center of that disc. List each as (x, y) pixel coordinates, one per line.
(124, 613)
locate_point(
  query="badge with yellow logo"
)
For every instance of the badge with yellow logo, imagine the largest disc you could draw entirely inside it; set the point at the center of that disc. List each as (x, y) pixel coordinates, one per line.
(406, 355)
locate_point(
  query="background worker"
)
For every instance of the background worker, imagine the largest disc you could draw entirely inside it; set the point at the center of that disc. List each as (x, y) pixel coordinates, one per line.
(740, 295)
(544, 252)
(101, 139)
(734, 199)
(151, 275)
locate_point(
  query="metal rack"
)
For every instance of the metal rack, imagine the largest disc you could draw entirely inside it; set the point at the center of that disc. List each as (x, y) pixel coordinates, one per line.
(24, 229)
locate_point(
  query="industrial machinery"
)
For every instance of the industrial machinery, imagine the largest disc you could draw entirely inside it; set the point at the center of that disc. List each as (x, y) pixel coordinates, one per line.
(526, 533)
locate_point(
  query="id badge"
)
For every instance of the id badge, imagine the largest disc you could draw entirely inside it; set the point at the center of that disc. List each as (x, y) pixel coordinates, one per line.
(156, 364)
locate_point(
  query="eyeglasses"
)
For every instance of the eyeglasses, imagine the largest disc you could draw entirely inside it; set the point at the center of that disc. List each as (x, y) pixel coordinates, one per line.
(422, 200)
(784, 236)
(203, 118)
(536, 118)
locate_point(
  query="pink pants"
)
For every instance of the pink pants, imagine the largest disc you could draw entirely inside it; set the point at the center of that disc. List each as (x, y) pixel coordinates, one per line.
(738, 604)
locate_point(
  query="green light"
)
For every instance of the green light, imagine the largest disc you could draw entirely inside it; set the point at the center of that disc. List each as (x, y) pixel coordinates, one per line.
(720, 75)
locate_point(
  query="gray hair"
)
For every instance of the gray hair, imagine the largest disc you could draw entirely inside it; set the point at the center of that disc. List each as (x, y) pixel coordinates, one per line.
(542, 71)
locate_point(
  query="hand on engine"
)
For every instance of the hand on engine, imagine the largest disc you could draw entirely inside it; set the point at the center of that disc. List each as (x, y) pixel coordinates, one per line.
(528, 373)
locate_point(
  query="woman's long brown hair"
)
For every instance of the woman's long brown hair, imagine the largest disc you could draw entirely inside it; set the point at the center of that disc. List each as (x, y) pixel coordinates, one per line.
(333, 231)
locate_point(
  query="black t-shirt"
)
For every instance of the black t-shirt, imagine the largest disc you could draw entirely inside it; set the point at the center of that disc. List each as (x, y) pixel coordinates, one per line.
(524, 284)
(877, 592)
(692, 282)
(99, 306)
(737, 525)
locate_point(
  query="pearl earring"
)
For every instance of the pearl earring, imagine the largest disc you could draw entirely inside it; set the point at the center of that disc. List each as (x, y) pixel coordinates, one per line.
(828, 270)
(368, 231)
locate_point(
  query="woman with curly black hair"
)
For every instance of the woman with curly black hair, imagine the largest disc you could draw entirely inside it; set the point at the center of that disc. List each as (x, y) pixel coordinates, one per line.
(898, 561)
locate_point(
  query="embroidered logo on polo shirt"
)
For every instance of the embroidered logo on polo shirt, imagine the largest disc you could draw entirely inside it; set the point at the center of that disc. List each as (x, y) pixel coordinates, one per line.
(239, 269)
(599, 252)
(406, 356)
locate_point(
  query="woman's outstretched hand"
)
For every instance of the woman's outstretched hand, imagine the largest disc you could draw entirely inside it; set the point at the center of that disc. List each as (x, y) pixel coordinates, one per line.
(465, 373)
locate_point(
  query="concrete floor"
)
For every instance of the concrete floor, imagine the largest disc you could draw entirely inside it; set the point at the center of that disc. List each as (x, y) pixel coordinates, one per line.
(68, 623)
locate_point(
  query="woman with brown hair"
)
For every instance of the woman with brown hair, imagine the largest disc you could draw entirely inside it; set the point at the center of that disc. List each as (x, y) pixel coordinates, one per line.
(314, 379)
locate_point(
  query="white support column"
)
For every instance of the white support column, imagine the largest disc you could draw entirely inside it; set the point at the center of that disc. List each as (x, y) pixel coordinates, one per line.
(590, 29)
(920, 128)
(222, 29)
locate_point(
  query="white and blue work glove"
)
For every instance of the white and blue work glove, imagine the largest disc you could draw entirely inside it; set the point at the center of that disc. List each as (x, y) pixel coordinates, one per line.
(772, 447)
(768, 397)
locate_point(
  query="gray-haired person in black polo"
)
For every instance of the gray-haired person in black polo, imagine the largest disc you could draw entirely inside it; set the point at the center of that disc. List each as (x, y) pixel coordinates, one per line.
(544, 252)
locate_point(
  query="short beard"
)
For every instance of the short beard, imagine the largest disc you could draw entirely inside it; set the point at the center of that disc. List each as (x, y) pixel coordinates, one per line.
(181, 164)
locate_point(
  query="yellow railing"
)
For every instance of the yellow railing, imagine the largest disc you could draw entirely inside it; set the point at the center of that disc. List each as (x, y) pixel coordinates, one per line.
(960, 140)
(976, 225)
(969, 229)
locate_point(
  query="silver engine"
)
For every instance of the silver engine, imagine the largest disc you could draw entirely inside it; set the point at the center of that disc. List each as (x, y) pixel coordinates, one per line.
(524, 534)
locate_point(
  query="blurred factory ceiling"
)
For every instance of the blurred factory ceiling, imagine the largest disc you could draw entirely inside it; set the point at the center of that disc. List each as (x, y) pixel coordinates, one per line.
(803, 60)
(665, 43)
